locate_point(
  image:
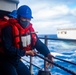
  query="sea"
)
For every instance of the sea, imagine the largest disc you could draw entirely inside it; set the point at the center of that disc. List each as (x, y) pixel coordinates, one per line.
(62, 49)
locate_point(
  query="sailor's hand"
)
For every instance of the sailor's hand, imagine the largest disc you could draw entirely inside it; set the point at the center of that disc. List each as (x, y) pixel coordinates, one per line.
(51, 59)
(31, 53)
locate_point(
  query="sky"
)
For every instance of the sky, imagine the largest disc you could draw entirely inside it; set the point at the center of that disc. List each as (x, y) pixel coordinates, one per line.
(50, 15)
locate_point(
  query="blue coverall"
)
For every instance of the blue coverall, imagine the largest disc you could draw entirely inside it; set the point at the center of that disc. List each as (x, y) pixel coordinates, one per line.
(10, 63)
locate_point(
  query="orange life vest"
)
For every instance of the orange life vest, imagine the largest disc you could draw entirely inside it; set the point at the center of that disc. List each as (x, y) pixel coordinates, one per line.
(24, 38)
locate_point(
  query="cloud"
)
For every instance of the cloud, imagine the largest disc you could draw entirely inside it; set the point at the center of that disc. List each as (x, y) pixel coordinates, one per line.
(53, 12)
(73, 11)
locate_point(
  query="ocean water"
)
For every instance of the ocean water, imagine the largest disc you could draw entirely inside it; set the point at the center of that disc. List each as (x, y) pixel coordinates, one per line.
(65, 50)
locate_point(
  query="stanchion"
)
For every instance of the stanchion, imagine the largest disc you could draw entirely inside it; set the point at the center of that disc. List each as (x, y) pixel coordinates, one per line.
(44, 72)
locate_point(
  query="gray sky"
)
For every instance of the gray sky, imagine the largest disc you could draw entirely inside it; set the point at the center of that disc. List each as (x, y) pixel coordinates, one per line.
(49, 15)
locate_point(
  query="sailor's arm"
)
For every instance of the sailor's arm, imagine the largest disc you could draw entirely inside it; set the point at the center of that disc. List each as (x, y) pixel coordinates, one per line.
(42, 48)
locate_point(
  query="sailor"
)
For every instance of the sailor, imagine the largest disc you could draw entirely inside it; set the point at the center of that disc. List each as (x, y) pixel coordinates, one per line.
(13, 14)
(17, 40)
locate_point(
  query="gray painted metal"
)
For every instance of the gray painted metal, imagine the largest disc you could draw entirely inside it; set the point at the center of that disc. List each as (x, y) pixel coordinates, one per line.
(14, 1)
(8, 5)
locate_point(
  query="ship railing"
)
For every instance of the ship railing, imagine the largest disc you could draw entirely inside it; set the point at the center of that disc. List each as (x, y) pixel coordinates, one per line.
(47, 60)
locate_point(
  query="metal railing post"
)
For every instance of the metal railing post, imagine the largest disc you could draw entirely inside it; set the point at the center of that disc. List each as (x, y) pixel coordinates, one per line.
(46, 42)
(31, 67)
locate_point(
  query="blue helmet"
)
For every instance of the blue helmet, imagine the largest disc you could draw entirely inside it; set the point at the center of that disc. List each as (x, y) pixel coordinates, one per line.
(24, 11)
(13, 14)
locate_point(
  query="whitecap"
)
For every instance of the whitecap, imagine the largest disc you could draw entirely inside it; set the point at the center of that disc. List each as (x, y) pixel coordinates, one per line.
(56, 54)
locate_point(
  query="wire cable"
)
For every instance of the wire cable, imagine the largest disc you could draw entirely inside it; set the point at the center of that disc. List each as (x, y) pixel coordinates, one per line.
(65, 69)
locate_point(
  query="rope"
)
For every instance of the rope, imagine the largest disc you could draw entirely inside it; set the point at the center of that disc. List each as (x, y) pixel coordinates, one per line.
(69, 71)
(64, 60)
